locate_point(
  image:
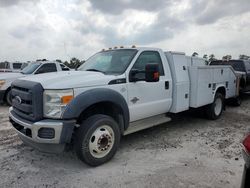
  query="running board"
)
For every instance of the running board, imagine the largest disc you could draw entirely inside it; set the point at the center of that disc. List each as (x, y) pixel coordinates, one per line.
(146, 123)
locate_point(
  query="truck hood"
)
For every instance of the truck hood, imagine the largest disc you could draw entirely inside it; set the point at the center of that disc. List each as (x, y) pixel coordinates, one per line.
(70, 79)
(11, 76)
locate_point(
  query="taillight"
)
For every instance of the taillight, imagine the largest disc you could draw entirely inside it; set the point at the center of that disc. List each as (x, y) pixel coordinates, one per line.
(246, 143)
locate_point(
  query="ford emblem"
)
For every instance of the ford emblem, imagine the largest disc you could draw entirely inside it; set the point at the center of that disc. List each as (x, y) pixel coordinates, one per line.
(18, 99)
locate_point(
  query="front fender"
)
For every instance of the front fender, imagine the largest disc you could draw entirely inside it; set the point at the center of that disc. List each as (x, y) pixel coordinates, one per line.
(93, 96)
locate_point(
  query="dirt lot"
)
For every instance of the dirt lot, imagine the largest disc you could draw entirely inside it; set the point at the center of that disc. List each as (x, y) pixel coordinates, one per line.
(188, 152)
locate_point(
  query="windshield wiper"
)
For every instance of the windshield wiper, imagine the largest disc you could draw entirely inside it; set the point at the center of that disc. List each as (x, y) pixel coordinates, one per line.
(95, 70)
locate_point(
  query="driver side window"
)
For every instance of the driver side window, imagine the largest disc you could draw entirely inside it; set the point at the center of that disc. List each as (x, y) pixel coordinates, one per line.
(48, 67)
(145, 58)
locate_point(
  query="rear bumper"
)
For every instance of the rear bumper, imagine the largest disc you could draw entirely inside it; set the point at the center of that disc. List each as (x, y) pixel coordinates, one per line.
(46, 135)
(2, 94)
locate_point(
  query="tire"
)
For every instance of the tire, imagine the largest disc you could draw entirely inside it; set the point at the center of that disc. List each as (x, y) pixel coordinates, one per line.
(97, 139)
(8, 98)
(215, 109)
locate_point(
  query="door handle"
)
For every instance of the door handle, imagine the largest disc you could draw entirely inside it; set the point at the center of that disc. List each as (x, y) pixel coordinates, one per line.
(167, 85)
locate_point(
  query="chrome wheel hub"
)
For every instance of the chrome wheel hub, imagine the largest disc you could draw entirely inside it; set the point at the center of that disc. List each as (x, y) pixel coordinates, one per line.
(218, 106)
(101, 141)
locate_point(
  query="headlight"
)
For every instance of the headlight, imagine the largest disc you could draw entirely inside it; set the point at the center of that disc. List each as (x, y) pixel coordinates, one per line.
(2, 82)
(55, 102)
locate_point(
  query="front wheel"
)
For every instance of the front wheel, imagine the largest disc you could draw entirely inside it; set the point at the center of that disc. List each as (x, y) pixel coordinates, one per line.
(97, 139)
(215, 109)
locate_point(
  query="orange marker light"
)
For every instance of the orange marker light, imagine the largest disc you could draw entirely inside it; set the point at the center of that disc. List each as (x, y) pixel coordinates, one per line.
(66, 99)
(156, 75)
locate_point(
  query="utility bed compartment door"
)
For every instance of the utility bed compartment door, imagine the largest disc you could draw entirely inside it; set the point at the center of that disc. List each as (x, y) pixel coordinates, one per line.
(201, 92)
(206, 79)
(181, 84)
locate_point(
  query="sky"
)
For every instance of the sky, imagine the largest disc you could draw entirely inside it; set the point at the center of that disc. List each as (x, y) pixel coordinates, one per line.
(62, 29)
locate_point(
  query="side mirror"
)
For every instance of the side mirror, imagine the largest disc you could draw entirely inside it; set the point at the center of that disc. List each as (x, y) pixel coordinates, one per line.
(152, 73)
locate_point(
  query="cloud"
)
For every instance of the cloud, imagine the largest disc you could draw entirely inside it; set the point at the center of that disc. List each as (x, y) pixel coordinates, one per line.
(20, 32)
(133, 26)
(7, 3)
(118, 7)
(209, 12)
(67, 28)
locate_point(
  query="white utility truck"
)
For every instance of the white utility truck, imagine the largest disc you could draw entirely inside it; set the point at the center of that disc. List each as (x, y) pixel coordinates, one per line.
(38, 67)
(115, 92)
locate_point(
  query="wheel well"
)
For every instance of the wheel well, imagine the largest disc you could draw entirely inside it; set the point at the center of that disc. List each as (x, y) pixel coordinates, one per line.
(221, 90)
(106, 108)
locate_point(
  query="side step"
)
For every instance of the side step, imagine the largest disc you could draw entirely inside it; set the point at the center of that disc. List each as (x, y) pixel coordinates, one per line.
(146, 123)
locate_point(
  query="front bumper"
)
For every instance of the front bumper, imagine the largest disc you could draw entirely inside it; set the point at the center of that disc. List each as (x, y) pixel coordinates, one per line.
(2, 94)
(46, 135)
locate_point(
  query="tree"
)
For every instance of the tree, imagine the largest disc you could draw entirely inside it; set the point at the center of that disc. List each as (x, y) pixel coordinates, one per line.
(66, 63)
(41, 60)
(227, 57)
(205, 56)
(59, 60)
(212, 58)
(74, 63)
(195, 54)
(244, 57)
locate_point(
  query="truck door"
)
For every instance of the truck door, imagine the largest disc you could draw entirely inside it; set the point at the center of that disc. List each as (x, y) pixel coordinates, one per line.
(147, 99)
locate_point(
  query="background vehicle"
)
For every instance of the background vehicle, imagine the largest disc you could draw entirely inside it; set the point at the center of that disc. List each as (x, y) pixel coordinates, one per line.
(246, 155)
(114, 93)
(10, 66)
(24, 65)
(242, 66)
(31, 69)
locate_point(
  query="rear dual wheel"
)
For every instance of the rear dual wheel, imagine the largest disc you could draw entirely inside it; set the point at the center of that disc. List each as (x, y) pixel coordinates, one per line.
(215, 109)
(97, 139)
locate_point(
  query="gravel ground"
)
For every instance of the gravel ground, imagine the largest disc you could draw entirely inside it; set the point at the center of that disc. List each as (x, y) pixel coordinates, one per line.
(190, 152)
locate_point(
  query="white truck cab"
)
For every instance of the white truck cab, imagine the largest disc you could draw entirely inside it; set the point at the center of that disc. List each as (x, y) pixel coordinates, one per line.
(32, 68)
(114, 93)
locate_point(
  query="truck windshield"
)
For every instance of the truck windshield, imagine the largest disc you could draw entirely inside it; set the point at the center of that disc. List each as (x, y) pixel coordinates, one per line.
(30, 68)
(109, 62)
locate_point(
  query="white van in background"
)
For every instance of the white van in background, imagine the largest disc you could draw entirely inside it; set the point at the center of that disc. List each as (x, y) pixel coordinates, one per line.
(10, 66)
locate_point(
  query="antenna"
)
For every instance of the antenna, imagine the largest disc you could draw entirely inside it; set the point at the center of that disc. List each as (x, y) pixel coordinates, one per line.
(65, 50)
